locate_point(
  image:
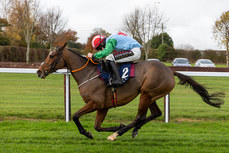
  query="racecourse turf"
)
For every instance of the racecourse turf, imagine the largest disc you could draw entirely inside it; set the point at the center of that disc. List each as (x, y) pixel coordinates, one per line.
(32, 120)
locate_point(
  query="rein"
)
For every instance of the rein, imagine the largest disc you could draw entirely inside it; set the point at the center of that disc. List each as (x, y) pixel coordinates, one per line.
(76, 70)
(88, 59)
(54, 63)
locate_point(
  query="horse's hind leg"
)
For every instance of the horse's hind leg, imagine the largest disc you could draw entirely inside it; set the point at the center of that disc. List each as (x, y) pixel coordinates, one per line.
(100, 116)
(145, 101)
(155, 112)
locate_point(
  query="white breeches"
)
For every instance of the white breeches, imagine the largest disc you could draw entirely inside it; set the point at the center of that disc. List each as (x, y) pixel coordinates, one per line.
(136, 56)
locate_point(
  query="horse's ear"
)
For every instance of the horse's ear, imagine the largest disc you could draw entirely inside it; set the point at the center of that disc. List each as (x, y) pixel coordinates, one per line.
(63, 46)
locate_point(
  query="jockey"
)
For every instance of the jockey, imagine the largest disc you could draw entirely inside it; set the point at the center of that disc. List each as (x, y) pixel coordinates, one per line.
(117, 48)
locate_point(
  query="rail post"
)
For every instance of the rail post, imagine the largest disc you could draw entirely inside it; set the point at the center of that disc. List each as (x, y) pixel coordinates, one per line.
(67, 97)
(167, 108)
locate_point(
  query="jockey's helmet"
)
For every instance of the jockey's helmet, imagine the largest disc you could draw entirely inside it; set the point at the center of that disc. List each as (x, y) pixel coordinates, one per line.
(98, 42)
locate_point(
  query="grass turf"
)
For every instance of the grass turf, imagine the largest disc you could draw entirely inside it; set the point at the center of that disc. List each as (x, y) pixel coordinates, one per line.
(32, 120)
(46, 136)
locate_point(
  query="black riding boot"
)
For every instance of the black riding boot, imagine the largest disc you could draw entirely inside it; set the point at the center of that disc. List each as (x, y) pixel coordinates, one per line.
(116, 79)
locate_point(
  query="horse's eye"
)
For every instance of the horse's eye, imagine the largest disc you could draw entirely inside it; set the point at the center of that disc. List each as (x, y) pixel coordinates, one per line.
(51, 56)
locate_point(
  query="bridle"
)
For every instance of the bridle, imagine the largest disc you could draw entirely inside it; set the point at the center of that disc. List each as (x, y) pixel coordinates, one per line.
(56, 61)
(52, 66)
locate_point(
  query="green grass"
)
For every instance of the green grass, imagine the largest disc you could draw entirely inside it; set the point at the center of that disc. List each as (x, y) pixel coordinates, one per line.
(26, 96)
(43, 136)
(32, 120)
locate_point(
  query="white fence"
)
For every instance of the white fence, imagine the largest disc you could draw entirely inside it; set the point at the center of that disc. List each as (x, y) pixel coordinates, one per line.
(67, 86)
(189, 73)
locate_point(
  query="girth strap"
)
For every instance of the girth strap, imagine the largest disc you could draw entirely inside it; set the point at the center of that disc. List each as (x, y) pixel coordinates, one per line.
(114, 96)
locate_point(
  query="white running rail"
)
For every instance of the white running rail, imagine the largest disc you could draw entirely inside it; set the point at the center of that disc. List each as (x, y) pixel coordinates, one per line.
(66, 85)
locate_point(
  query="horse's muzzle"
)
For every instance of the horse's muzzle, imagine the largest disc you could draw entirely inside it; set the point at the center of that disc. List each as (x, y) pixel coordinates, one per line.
(40, 74)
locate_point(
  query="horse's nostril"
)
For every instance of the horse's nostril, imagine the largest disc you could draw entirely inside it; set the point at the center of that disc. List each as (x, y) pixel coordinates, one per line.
(39, 73)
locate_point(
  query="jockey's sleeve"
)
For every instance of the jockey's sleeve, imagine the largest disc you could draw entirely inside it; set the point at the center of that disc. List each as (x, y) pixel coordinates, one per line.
(110, 45)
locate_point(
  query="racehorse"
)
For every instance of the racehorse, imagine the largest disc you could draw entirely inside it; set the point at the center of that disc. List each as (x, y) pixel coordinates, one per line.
(152, 81)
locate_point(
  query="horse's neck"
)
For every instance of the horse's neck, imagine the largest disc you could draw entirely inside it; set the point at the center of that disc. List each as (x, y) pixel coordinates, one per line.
(75, 62)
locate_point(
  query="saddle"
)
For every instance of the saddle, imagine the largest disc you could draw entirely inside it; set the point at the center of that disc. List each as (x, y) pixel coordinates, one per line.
(126, 70)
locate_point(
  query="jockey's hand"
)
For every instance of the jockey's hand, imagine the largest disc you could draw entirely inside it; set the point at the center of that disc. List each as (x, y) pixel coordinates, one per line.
(89, 55)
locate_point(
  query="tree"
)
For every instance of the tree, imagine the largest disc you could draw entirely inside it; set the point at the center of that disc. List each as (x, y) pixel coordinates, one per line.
(76, 45)
(3, 23)
(23, 17)
(14, 31)
(66, 36)
(221, 32)
(166, 52)
(157, 40)
(131, 24)
(3, 38)
(52, 23)
(185, 47)
(143, 25)
(5, 8)
(29, 21)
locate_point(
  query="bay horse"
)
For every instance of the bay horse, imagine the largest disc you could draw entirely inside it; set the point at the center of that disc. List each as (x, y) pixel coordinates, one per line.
(152, 81)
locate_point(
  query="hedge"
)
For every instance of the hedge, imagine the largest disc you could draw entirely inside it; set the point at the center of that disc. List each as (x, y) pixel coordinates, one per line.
(194, 55)
(18, 54)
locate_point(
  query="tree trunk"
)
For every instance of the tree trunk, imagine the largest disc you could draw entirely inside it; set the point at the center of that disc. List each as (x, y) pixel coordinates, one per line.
(27, 52)
(227, 54)
(147, 50)
(146, 55)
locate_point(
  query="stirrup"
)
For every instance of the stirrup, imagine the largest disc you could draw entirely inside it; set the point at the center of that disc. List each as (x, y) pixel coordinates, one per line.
(117, 82)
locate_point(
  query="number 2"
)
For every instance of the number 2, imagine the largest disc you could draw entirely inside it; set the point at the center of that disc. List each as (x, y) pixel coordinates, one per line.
(125, 73)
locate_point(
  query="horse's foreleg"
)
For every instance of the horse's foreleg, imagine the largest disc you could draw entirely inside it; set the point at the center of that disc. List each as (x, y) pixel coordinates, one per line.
(100, 116)
(123, 130)
(155, 112)
(88, 108)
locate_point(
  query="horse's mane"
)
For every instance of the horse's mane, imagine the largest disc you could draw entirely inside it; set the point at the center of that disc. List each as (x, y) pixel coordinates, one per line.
(77, 53)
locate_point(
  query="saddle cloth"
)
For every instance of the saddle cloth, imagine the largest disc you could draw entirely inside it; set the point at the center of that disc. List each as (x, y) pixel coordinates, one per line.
(126, 70)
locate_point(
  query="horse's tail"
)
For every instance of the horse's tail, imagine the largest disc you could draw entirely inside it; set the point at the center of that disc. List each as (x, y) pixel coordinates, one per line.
(214, 99)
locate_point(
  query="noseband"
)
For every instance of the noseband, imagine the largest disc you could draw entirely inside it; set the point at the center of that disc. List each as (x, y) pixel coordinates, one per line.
(56, 61)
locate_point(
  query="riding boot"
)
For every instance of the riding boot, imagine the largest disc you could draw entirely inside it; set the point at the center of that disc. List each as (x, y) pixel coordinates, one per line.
(116, 79)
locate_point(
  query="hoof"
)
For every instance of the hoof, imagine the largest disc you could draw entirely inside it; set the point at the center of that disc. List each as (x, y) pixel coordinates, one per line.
(89, 135)
(112, 137)
(134, 134)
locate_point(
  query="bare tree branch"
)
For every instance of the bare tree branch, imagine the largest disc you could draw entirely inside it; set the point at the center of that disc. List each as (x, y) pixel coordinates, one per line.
(52, 23)
(143, 25)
